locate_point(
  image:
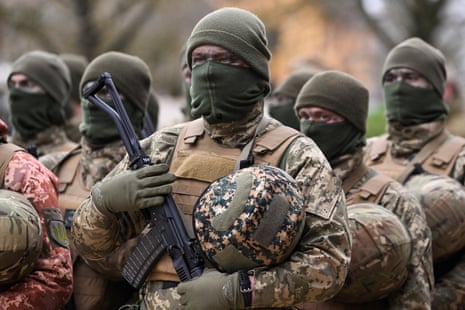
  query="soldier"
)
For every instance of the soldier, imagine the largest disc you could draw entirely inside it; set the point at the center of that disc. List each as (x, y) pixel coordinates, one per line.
(76, 66)
(333, 110)
(39, 88)
(49, 284)
(100, 150)
(281, 106)
(228, 54)
(420, 153)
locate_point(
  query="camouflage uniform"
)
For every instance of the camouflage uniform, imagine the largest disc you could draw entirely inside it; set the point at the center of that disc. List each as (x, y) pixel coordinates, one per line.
(416, 292)
(100, 150)
(417, 146)
(343, 99)
(49, 285)
(301, 277)
(403, 148)
(48, 141)
(91, 289)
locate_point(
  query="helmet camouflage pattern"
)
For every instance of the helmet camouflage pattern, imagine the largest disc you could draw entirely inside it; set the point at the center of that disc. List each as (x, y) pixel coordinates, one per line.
(443, 201)
(20, 237)
(381, 248)
(252, 217)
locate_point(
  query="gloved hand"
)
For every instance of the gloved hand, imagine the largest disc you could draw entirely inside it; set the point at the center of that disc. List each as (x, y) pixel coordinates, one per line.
(133, 189)
(212, 290)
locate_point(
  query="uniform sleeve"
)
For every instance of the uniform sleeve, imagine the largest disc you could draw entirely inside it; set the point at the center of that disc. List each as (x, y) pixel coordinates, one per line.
(416, 291)
(103, 240)
(49, 285)
(458, 172)
(316, 270)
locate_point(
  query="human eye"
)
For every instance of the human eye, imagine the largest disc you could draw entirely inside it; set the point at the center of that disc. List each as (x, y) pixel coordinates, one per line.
(389, 78)
(304, 117)
(198, 60)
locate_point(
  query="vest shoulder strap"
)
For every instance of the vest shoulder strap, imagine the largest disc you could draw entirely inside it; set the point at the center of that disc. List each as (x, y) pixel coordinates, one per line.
(443, 159)
(276, 137)
(378, 148)
(352, 179)
(374, 188)
(7, 150)
(68, 169)
(192, 131)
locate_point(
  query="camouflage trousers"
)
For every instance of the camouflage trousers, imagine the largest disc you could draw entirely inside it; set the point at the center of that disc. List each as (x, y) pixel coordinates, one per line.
(156, 295)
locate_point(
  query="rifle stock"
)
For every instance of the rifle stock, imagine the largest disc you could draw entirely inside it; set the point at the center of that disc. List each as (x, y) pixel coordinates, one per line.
(166, 229)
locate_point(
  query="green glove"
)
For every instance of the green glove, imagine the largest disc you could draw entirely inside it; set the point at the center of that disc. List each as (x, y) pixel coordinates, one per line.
(133, 189)
(212, 290)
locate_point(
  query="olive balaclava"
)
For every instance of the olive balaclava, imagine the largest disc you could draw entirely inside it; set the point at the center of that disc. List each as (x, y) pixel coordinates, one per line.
(283, 98)
(32, 113)
(340, 93)
(410, 105)
(132, 79)
(224, 93)
(76, 66)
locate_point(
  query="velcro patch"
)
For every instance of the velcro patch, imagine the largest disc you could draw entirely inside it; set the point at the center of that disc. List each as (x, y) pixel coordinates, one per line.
(55, 227)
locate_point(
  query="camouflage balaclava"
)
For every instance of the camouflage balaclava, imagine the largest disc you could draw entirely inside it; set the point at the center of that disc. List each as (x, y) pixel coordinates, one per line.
(224, 93)
(340, 93)
(132, 79)
(283, 98)
(76, 65)
(407, 104)
(32, 113)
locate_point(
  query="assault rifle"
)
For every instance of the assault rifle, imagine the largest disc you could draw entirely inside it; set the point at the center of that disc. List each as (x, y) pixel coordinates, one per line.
(166, 230)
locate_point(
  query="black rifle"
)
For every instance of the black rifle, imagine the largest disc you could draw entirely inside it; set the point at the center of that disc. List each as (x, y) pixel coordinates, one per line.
(166, 228)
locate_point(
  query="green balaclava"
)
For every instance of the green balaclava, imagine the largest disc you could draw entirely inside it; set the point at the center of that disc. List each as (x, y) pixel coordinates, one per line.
(283, 99)
(132, 79)
(76, 66)
(223, 93)
(340, 93)
(410, 105)
(32, 113)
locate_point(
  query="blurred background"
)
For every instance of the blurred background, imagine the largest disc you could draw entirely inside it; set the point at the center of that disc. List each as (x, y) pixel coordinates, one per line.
(351, 35)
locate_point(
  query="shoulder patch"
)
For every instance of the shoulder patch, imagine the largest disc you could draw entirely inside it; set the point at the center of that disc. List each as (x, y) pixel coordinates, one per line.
(55, 227)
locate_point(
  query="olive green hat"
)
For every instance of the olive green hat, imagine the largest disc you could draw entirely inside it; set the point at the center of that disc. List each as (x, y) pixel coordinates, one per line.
(237, 30)
(294, 82)
(416, 54)
(339, 92)
(130, 74)
(76, 65)
(48, 70)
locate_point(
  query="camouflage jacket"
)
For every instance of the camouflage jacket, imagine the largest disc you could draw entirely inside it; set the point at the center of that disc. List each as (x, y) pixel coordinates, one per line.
(48, 141)
(49, 285)
(315, 271)
(416, 292)
(405, 143)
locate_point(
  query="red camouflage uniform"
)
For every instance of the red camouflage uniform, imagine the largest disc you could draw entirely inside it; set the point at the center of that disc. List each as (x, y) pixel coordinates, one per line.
(50, 284)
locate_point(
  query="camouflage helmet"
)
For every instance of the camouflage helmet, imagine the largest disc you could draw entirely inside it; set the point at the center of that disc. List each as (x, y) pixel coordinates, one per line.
(249, 218)
(442, 199)
(20, 237)
(381, 248)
